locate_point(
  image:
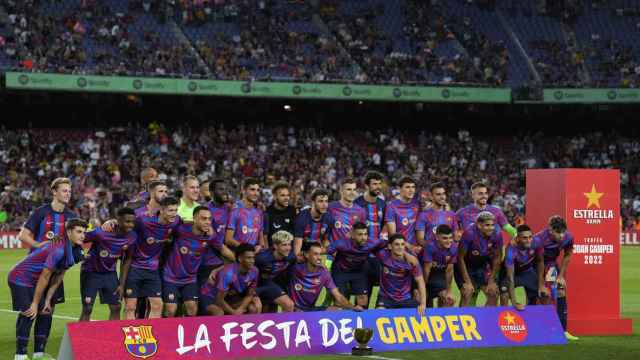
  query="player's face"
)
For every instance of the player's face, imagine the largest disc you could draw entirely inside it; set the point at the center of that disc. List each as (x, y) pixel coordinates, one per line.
(557, 235)
(408, 191)
(487, 227)
(76, 235)
(480, 196)
(221, 192)
(360, 236)
(62, 193)
(321, 204)
(439, 196)
(252, 193)
(314, 256)
(202, 221)
(247, 259)
(191, 190)
(126, 222)
(159, 193)
(283, 248)
(445, 240)
(169, 213)
(348, 192)
(524, 239)
(398, 247)
(283, 196)
(374, 187)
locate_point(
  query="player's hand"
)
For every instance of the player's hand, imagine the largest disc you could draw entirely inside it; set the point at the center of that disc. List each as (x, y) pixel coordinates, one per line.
(47, 307)
(421, 309)
(492, 288)
(543, 292)
(251, 292)
(258, 248)
(448, 296)
(358, 308)
(37, 245)
(31, 312)
(109, 226)
(518, 306)
(561, 282)
(468, 287)
(119, 292)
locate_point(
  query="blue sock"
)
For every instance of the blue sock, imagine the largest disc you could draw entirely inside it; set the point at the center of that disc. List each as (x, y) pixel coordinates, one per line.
(41, 332)
(561, 307)
(23, 328)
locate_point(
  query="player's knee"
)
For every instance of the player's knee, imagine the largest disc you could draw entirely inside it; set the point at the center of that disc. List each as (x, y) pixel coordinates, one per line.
(286, 304)
(256, 306)
(155, 305)
(87, 309)
(562, 293)
(115, 308)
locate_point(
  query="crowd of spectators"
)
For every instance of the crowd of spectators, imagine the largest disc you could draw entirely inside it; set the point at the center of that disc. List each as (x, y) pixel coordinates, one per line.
(105, 165)
(93, 37)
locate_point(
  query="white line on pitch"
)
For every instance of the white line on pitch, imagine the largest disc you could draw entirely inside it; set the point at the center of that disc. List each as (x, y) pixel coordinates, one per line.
(54, 316)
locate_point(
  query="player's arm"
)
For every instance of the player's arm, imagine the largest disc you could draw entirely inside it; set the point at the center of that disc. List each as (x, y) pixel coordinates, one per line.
(27, 238)
(420, 237)
(510, 230)
(495, 263)
(125, 265)
(462, 266)
(55, 282)
(227, 253)
(41, 286)
(262, 242)
(422, 291)
(542, 290)
(448, 275)
(229, 240)
(426, 271)
(564, 265)
(342, 301)
(512, 292)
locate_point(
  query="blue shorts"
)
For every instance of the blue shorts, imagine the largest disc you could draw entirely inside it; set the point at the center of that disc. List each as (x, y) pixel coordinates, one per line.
(174, 293)
(393, 304)
(22, 296)
(437, 283)
(269, 290)
(105, 283)
(143, 283)
(357, 282)
(479, 276)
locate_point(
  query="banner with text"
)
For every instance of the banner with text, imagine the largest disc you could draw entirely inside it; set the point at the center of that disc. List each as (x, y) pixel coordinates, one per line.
(146, 85)
(289, 334)
(9, 240)
(567, 96)
(629, 238)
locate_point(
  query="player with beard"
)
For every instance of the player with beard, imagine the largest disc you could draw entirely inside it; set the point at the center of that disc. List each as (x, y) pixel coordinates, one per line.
(402, 214)
(280, 215)
(158, 190)
(312, 224)
(438, 214)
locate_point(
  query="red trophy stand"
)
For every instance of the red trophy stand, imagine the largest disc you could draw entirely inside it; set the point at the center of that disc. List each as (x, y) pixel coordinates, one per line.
(589, 200)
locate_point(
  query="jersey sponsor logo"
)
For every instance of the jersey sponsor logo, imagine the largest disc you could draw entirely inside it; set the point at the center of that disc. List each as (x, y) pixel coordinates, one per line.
(139, 341)
(298, 287)
(150, 240)
(405, 221)
(287, 220)
(513, 327)
(184, 250)
(50, 235)
(385, 270)
(276, 226)
(245, 229)
(338, 224)
(104, 253)
(475, 252)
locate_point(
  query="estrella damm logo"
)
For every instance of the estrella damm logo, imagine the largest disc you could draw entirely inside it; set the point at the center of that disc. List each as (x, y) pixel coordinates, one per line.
(512, 326)
(139, 341)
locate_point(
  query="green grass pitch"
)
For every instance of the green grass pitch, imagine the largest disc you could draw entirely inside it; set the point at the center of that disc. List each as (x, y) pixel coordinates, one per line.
(586, 348)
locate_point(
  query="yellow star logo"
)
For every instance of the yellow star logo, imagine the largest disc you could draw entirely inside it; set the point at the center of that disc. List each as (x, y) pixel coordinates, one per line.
(593, 197)
(511, 320)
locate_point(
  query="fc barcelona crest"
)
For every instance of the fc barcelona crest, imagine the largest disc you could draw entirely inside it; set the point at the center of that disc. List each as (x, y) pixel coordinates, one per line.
(139, 341)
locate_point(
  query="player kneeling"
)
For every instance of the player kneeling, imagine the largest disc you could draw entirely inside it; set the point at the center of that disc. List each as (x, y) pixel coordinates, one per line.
(439, 258)
(399, 270)
(524, 266)
(234, 290)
